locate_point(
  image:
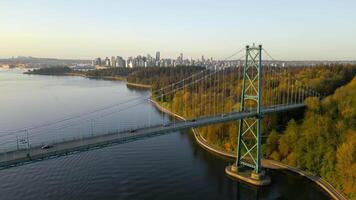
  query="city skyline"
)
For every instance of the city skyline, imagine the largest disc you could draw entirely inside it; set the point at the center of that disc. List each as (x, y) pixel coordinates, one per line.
(80, 30)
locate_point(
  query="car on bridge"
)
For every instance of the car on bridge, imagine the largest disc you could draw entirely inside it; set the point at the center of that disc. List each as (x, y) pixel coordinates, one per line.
(47, 146)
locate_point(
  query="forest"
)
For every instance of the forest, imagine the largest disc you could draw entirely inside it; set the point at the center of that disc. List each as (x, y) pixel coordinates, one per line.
(161, 76)
(111, 72)
(56, 70)
(155, 76)
(324, 141)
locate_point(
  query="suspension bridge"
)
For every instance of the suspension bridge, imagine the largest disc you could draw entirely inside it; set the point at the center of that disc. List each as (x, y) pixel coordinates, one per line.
(243, 89)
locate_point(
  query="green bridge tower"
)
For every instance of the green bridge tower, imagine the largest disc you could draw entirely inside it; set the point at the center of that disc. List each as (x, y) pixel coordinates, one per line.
(248, 162)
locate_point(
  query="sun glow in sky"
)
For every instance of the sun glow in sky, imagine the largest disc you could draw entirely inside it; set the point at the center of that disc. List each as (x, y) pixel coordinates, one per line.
(291, 30)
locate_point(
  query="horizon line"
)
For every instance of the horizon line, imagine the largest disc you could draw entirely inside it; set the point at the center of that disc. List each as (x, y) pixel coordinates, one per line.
(81, 59)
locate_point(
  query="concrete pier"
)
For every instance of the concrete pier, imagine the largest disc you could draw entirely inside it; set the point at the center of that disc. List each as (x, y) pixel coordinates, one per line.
(248, 175)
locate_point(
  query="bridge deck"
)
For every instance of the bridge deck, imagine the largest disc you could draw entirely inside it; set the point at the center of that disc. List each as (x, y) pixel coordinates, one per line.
(12, 158)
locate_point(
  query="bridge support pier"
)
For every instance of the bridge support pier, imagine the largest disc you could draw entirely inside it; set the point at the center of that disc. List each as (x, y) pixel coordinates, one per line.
(248, 162)
(248, 175)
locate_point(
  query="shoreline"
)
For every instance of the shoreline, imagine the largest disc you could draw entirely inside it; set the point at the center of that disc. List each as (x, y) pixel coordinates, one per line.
(111, 78)
(266, 163)
(138, 85)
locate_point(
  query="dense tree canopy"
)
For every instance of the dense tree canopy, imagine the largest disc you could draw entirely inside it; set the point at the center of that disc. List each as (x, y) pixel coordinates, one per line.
(112, 72)
(325, 141)
(56, 70)
(161, 76)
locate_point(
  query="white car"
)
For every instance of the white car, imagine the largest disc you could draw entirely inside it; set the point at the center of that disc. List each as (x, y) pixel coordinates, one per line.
(47, 146)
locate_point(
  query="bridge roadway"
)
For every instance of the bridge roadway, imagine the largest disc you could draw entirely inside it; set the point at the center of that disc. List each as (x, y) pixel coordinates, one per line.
(13, 158)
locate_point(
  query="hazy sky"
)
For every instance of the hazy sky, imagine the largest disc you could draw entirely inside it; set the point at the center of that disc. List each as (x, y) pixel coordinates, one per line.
(300, 29)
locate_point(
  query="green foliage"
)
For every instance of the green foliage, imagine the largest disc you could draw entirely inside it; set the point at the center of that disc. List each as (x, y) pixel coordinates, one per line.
(346, 165)
(288, 140)
(272, 142)
(159, 77)
(56, 70)
(112, 72)
(325, 141)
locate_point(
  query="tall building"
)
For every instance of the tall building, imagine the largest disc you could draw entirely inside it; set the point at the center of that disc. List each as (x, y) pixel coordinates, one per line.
(129, 62)
(120, 62)
(113, 61)
(97, 61)
(158, 56)
(107, 62)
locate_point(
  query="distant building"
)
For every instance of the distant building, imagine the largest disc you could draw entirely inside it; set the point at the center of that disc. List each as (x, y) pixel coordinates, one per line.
(150, 61)
(113, 61)
(120, 62)
(129, 62)
(123, 63)
(158, 56)
(98, 62)
(107, 62)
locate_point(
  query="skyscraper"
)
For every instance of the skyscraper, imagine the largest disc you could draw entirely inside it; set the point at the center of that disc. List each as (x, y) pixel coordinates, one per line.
(120, 62)
(158, 56)
(98, 61)
(113, 62)
(107, 62)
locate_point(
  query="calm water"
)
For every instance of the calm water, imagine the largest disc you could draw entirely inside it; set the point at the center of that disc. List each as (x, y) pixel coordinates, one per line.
(171, 166)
